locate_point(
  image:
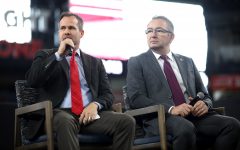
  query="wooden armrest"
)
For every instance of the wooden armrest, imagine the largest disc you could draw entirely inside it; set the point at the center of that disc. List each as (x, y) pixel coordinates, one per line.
(159, 109)
(34, 107)
(117, 107)
(47, 107)
(219, 110)
(146, 110)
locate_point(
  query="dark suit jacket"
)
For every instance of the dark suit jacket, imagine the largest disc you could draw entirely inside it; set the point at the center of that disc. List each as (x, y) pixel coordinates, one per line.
(52, 77)
(147, 85)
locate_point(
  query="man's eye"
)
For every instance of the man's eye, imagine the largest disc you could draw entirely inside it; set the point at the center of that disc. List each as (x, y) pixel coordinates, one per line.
(148, 31)
(159, 31)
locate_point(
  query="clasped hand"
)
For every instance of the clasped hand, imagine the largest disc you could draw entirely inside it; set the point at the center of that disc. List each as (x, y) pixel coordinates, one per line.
(89, 114)
(199, 109)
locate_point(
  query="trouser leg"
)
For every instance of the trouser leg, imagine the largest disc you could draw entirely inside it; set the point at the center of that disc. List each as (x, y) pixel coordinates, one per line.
(66, 129)
(182, 131)
(120, 126)
(224, 130)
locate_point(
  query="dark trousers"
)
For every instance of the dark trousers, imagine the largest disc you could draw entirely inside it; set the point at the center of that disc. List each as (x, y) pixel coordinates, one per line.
(217, 131)
(120, 126)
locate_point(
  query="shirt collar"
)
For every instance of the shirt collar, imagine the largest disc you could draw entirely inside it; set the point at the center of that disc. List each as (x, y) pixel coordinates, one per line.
(78, 52)
(157, 56)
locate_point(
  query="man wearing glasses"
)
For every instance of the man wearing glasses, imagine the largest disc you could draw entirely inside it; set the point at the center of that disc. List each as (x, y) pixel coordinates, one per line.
(159, 76)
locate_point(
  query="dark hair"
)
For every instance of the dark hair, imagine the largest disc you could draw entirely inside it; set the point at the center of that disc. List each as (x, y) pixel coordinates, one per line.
(169, 23)
(69, 14)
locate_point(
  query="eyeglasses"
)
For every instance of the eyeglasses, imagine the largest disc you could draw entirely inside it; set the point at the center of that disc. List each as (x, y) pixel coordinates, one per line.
(157, 30)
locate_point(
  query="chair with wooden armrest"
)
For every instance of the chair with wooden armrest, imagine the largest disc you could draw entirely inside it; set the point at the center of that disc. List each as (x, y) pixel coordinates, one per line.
(27, 105)
(159, 142)
(156, 142)
(163, 141)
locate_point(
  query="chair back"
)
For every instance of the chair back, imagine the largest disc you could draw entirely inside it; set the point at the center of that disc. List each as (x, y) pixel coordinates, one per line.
(125, 98)
(138, 129)
(25, 94)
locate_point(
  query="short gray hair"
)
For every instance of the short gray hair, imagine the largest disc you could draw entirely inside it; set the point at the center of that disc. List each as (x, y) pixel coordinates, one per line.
(169, 23)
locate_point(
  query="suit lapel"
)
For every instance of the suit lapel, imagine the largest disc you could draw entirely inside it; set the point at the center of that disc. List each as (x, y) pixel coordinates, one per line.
(65, 67)
(87, 67)
(154, 65)
(182, 66)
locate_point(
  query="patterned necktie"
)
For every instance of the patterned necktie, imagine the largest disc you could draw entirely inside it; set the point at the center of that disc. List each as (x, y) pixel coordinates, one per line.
(177, 93)
(76, 94)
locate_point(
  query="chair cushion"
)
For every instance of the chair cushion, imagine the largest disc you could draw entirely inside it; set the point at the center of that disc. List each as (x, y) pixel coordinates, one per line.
(153, 139)
(83, 139)
(202, 141)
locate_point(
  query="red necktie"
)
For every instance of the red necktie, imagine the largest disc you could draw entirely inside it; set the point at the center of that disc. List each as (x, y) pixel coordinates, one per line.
(76, 94)
(177, 93)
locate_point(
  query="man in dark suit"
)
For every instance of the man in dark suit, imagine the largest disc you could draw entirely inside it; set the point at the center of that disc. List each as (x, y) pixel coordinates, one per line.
(148, 83)
(50, 72)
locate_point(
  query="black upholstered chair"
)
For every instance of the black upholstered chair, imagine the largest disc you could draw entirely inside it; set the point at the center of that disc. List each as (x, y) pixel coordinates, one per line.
(27, 103)
(163, 141)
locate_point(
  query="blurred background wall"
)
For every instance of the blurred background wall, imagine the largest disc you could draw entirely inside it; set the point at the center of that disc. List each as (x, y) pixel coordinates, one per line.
(19, 44)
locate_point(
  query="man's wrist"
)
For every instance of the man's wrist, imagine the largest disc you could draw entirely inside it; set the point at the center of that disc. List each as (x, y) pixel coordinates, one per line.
(58, 57)
(99, 106)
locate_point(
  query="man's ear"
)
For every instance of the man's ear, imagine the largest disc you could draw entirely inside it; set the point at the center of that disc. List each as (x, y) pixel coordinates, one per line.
(172, 36)
(81, 32)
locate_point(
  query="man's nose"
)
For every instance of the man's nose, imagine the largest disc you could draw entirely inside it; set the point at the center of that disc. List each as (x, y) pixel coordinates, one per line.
(154, 32)
(66, 31)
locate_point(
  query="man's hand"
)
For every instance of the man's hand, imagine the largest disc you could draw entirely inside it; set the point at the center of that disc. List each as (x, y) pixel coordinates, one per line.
(182, 110)
(199, 109)
(89, 113)
(62, 47)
